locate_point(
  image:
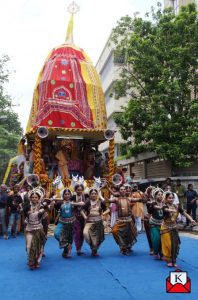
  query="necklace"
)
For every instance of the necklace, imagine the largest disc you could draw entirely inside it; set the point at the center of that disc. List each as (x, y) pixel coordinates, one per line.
(78, 198)
(67, 207)
(93, 203)
(159, 203)
(34, 208)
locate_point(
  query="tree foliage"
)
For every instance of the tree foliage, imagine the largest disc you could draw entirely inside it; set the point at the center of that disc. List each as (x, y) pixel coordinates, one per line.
(10, 128)
(160, 79)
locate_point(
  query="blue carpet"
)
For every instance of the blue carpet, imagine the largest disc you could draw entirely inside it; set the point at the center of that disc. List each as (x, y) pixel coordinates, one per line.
(108, 277)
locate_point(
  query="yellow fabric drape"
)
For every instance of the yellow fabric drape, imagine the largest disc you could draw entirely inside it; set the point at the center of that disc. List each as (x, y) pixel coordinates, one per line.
(8, 169)
(95, 95)
(69, 35)
(166, 244)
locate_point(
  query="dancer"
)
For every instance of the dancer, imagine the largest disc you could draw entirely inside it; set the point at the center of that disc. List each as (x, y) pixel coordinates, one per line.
(34, 233)
(128, 189)
(169, 233)
(94, 228)
(124, 231)
(64, 229)
(156, 212)
(149, 199)
(79, 221)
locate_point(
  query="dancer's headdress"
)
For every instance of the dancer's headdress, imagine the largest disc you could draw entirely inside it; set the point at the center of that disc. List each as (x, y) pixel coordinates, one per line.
(39, 191)
(149, 190)
(155, 191)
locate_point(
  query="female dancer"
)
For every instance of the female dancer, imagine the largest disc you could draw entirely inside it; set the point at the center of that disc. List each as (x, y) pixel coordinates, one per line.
(149, 199)
(80, 221)
(124, 231)
(94, 229)
(64, 229)
(169, 234)
(34, 233)
(156, 211)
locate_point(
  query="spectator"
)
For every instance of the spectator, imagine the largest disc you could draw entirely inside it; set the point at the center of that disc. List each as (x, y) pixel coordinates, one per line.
(15, 205)
(3, 206)
(168, 182)
(138, 207)
(180, 191)
(130, 179)
(191, 197)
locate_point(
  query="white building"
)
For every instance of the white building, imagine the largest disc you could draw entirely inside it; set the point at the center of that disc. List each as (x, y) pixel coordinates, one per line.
(176, 4)
(109, 72)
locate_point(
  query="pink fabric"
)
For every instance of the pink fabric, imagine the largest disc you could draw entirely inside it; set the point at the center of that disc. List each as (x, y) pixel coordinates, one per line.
(113, 207)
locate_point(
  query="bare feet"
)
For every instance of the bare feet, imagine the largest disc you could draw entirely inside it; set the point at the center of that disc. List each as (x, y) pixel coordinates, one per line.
(37, 265)
(170, 265)
(31, 265)
(94, 253)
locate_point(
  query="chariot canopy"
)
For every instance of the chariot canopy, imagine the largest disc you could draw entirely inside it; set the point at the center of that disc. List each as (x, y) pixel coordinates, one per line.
(68, 92)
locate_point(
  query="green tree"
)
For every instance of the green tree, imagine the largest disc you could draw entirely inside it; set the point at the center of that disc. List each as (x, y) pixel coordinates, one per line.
(10, 128)
(160, 78)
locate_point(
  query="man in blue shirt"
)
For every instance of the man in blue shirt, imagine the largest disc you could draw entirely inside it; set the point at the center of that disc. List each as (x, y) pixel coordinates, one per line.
(191, 198)
(3, 206)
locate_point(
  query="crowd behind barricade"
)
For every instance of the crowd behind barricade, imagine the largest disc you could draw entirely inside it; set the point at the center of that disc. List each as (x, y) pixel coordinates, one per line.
(86, 215)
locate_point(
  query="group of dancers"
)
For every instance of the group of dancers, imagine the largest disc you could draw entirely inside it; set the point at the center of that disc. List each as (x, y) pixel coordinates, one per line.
(80, 217)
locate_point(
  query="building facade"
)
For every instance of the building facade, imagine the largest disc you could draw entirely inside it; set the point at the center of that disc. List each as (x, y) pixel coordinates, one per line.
(109, 72)
(176, 4)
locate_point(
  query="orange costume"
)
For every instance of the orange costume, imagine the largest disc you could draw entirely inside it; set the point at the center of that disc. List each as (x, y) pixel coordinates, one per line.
(138, 207)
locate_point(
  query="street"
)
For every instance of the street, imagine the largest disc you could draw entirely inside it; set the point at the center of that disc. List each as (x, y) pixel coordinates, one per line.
(109, 276)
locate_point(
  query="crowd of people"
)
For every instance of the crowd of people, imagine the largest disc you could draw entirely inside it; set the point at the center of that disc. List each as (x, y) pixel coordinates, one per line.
(80, 216)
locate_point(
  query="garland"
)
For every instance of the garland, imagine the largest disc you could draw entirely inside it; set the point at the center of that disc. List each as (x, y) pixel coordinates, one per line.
(59, 129)
(111, 159)
(37, 155)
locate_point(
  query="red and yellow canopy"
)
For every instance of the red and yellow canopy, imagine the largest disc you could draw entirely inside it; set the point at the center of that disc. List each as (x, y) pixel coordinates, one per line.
(68, 92)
